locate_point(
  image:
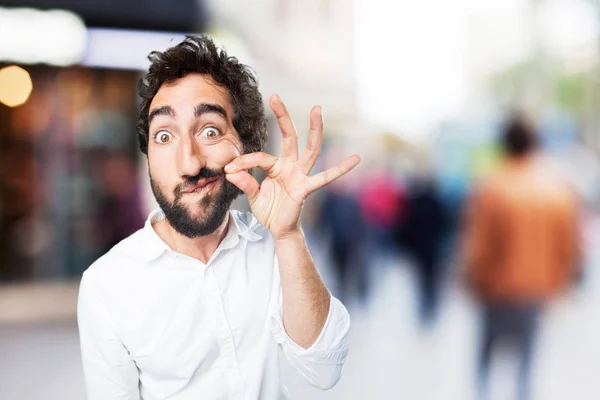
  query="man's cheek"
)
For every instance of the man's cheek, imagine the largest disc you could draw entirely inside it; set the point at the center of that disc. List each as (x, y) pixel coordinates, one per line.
(225, 153)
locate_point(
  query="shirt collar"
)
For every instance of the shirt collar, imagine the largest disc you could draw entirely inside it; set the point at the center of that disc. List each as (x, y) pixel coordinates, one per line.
(153, 246)
(243, 224)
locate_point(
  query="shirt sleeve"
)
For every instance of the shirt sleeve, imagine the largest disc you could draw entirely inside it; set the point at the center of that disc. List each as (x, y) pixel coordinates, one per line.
(321, 364)
(109, 371)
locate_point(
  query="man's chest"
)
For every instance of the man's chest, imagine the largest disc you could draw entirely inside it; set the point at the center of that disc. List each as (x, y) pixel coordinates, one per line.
(186, 322)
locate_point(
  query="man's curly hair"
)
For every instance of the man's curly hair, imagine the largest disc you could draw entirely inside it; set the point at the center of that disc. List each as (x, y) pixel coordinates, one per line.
(200, 54)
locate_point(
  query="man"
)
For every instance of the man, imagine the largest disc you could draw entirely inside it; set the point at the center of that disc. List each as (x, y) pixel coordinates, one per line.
(521, 247)
(197, 304)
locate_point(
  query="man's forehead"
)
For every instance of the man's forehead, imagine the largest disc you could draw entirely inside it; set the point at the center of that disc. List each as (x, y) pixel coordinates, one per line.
(190, 90)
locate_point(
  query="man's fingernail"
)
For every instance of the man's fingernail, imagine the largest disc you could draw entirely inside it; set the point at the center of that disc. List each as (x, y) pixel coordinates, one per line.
(228, 168)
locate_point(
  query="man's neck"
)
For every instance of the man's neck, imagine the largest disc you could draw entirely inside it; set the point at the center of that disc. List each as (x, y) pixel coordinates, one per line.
(200, 248)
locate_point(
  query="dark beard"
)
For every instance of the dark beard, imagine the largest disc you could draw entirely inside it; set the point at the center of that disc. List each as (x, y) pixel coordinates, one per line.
(217, 205)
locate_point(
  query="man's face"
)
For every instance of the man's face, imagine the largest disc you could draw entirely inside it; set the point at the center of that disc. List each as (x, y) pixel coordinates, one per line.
(191, 139)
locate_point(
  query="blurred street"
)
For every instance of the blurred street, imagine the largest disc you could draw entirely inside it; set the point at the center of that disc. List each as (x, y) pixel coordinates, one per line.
(390, 358)
(462, 230)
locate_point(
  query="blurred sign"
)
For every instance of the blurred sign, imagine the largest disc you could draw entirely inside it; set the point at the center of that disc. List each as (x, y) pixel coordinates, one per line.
(129, 49)
(28, 36)
(60, 37)
(164, 15)
(125, 49)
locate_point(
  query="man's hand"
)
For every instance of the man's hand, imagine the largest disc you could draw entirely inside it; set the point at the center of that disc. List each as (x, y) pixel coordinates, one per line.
(277, 203)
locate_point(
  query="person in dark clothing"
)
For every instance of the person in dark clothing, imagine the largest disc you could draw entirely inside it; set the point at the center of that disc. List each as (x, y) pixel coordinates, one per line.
(340, 218)
(421, 236)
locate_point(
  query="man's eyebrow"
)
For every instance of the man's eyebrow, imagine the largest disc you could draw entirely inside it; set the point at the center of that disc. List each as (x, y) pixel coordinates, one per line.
(164, 110)
(204, 108)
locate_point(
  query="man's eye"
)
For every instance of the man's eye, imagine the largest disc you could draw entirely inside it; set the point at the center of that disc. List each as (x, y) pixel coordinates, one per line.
(163, 137)
(210, 132)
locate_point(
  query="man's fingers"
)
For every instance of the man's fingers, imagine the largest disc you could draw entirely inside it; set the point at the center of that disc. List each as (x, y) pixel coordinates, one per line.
(289, 145)
(315, 138)
(323, 178)
(252, 160)
(247, 184)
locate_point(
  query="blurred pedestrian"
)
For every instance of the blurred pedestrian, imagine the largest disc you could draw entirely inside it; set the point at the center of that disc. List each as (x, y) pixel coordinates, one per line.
(339, 217)
(381, 202)
(521, 248)
(420, 233)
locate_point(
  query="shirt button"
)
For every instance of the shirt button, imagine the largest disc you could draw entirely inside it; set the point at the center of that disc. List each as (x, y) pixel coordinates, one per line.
(230, 364)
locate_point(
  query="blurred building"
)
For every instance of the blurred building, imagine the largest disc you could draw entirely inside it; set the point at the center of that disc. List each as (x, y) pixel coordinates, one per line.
(70, 185)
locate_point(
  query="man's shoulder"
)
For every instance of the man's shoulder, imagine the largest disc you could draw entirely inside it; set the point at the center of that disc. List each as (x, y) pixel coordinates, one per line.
(119, 259)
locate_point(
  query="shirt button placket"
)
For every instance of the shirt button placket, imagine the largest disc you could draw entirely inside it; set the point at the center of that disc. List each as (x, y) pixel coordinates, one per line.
(225, 337)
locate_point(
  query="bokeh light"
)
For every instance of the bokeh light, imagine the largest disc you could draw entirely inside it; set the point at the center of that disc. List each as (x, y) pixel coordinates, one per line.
(15, 86)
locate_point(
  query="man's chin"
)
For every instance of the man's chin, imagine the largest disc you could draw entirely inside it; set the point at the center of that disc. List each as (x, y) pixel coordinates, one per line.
(196, 214)
(197, 207)
(195, 221)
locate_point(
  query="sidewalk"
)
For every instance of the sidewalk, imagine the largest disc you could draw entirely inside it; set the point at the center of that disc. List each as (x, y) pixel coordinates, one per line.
(390, 358)
(38, 303)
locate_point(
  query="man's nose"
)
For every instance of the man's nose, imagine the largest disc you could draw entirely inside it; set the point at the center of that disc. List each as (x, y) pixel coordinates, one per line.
(190, 158)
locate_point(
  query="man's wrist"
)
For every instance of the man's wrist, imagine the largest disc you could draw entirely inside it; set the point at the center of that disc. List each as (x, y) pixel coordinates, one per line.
(295, 235)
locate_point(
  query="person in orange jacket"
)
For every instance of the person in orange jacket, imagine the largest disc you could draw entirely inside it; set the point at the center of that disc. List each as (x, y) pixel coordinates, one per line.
(521, 246)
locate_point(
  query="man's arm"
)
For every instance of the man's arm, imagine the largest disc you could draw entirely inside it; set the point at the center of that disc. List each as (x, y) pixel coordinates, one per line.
(477, 241)
(316, 324)
(311, 326)
(305, 297)
(109, 371)
(569, 241)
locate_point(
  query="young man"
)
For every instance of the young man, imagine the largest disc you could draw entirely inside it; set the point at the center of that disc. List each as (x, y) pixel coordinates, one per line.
(197, 304)
(522, 248)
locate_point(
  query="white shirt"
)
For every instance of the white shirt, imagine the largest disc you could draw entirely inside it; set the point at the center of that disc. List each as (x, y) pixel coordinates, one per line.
(155, 324)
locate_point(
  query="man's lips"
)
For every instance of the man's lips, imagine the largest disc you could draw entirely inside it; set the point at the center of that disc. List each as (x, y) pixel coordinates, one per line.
(201, 184)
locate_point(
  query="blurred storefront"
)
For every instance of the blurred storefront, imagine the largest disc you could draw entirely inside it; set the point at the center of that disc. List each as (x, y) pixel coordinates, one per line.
(70, 182)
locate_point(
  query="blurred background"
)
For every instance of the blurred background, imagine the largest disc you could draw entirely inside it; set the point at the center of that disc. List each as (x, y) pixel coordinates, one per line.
(420, 89)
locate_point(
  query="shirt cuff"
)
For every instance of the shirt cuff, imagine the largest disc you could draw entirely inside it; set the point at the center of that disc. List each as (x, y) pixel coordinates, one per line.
(331, 347)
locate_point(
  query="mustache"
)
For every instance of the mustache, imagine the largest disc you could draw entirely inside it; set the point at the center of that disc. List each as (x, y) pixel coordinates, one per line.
(191, 181)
